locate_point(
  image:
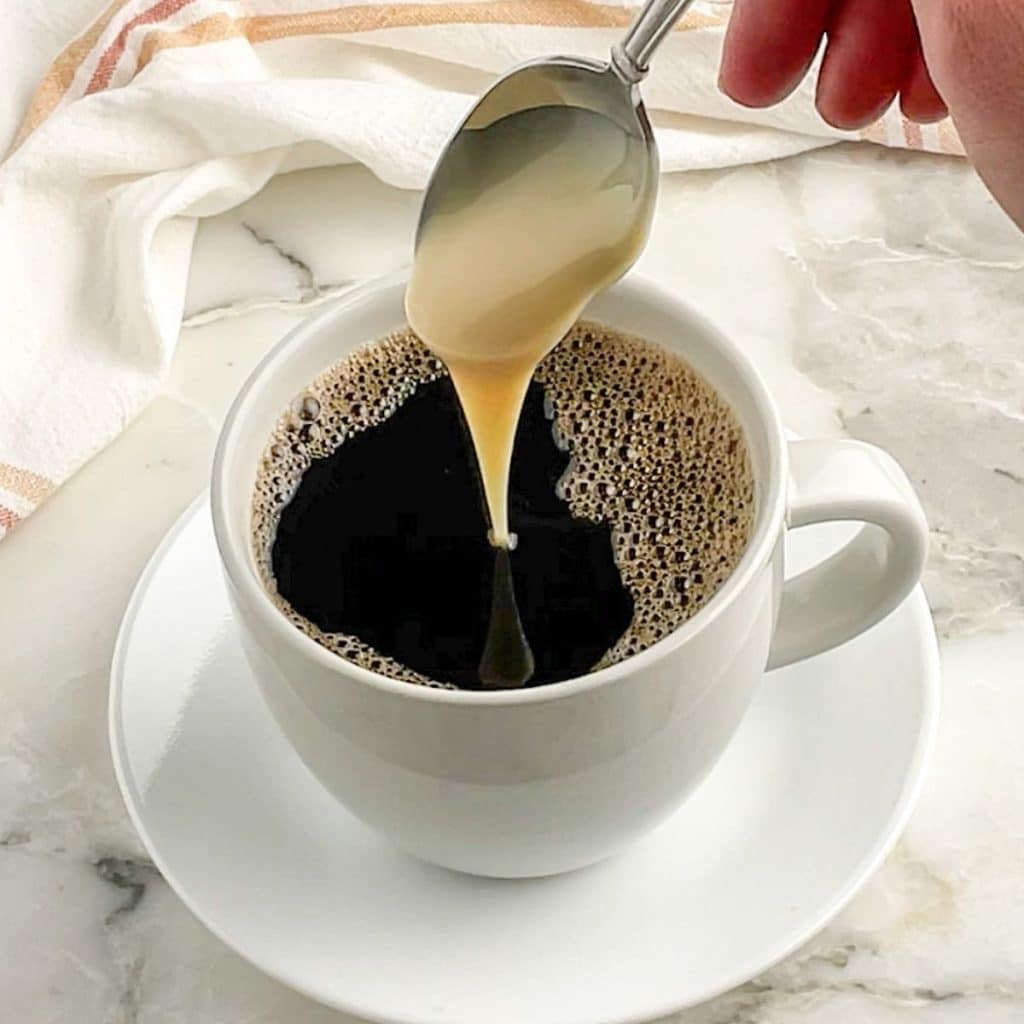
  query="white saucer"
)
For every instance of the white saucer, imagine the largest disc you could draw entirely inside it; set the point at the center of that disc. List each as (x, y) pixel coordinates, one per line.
(805, 803)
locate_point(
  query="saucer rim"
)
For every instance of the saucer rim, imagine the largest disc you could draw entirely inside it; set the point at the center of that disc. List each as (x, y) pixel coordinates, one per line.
(924, 743)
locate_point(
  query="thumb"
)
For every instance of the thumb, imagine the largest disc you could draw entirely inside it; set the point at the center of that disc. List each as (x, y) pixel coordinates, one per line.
(974, 50)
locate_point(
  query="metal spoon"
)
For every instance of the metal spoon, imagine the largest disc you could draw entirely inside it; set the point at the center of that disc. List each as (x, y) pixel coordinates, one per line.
(543, 197)
(608, 88)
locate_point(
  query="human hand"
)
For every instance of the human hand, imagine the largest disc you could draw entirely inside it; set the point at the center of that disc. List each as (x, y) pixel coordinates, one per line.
(967, 55)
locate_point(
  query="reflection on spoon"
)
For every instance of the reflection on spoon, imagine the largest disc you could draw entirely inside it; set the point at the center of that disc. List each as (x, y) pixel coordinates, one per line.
(507, 661)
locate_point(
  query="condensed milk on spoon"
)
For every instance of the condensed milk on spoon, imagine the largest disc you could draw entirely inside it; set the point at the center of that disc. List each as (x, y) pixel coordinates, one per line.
(543, 198)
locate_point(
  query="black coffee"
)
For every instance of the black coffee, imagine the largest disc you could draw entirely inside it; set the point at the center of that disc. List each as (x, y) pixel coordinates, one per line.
(631, 498)
(385, 540)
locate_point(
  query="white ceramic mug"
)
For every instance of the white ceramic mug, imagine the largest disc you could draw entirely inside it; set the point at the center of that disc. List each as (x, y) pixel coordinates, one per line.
(539, 781)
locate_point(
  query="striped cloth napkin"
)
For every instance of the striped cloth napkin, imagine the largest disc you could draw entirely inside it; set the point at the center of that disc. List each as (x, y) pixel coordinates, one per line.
(165, 111)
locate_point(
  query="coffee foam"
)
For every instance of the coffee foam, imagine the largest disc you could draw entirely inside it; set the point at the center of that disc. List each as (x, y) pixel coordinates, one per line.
(655, 452)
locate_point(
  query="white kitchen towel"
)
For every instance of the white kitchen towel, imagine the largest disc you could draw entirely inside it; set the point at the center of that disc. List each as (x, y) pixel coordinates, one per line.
(165, 111)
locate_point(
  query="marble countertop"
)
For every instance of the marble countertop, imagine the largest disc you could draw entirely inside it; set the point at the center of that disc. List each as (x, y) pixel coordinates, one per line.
(882, 295)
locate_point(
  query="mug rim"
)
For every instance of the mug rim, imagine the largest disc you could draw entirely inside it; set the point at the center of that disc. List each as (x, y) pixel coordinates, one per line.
(769, 516)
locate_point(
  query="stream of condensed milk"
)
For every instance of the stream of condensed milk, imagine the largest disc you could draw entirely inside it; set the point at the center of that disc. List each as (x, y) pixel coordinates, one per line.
(530, 214)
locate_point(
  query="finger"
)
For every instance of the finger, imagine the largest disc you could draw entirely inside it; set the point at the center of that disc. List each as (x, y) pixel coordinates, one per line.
(919, 99)
(870, 46)
(768, 48)
(975, 52)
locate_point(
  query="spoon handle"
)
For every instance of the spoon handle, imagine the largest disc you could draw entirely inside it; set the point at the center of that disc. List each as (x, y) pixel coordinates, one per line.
(631, 57)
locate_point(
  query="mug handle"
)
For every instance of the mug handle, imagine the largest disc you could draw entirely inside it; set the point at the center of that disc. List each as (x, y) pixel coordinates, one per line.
(837, 480)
